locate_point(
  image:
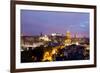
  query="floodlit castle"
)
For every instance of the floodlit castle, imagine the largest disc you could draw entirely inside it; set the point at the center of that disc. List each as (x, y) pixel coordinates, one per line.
(45, 38)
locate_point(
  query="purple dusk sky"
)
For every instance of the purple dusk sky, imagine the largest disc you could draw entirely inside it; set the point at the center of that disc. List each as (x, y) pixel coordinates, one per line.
(33, 22)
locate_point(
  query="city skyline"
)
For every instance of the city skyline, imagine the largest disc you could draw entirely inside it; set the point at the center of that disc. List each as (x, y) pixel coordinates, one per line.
(33, 22)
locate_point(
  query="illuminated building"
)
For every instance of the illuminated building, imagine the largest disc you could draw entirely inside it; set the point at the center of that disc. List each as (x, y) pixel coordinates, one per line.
(68, 38)
(56, 34)
(75, 40)
(44, 38)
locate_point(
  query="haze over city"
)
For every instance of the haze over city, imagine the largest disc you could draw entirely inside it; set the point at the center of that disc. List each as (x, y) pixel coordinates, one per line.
(33, 22)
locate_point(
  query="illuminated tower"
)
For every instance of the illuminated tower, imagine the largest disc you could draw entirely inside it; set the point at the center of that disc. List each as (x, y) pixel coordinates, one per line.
(76, 39)
(68, 38)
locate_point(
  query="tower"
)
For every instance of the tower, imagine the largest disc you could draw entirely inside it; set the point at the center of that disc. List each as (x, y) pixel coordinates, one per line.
(68, 38)
(76, 39)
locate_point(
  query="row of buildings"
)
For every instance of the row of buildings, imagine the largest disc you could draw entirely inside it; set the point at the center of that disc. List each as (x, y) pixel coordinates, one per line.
(35, 41)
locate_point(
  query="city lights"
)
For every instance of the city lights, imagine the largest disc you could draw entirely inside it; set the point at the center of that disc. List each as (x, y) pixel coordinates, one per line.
(55, 47)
